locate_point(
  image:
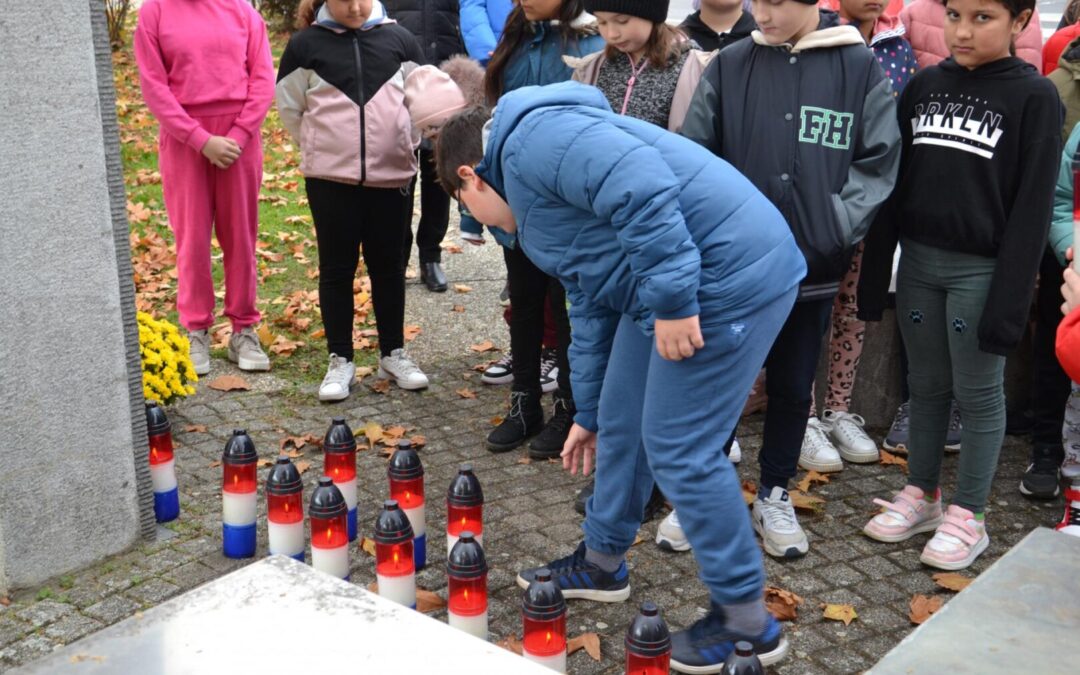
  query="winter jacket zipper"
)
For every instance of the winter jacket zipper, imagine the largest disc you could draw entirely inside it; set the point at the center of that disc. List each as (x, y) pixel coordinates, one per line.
(360, 100)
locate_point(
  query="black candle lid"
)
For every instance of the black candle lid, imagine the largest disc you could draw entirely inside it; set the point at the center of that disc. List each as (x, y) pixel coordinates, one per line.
(465, 488)
(466, 559)
(156, 421)
(542, 600)
(327, 500)
(240, 449)
(648, 635)
(392, 525)
(405, 463)
(284, 478)
(339, 437)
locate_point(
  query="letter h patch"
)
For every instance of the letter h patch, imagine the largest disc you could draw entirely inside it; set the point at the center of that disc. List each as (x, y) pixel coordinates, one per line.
(826, 127)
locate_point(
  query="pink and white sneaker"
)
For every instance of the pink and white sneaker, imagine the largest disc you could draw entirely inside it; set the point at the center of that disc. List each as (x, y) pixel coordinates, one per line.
(1070, 523)
(958, 541)
(907, 515)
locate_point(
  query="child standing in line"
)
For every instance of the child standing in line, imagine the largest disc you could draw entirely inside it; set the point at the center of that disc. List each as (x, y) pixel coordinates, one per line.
(538, 34)
(482, 24)
(718, 23)
(208, 77)
(680, 273)
(925, 24)
(970, 250)
(340, 93)
(805, 111)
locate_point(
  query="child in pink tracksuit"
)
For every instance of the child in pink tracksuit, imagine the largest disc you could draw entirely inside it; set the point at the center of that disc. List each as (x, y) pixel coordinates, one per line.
(208, 77)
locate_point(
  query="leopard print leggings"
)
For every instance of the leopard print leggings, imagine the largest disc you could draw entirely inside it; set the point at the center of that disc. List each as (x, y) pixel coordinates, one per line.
(845, 341)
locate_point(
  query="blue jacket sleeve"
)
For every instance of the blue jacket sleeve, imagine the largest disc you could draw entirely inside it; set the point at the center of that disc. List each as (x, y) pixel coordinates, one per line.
(1061, 224)
(476, 30)
(606, 171)
(593, 328)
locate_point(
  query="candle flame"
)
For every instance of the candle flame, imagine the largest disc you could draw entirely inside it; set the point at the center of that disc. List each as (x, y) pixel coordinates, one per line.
(337, 471)
(154, 452)
(396, 556)
(286, 507)
(329, 533)
(463, 522)
(549, 637)
(235, 479)
(466, 595)
(408, 496)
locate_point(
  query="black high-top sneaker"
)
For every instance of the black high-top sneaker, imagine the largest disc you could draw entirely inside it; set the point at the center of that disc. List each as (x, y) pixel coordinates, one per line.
(524, 420)
(549, 443)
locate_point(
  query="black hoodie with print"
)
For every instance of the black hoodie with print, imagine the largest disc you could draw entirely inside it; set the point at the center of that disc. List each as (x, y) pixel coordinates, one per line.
(708, 39)
(979, 160)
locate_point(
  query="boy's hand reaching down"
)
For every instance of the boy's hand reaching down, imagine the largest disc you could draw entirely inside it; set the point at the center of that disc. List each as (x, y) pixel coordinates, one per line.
(580, 446)
(678, 339)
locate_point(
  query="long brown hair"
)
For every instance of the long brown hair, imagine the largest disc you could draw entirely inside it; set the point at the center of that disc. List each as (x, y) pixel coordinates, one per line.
(664, 44)
(515, 33)
(306, 12)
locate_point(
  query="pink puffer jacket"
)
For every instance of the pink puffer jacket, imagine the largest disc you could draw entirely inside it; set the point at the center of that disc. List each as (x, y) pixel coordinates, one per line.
(925, 24)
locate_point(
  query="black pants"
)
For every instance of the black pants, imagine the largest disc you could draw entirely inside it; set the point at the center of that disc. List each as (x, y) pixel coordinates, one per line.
(1050, 384)
(791, 366)
(434, 212)
(348, 217)
(529, 290)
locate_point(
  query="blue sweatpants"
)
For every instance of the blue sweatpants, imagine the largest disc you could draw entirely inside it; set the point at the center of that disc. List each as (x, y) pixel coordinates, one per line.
(668, 421)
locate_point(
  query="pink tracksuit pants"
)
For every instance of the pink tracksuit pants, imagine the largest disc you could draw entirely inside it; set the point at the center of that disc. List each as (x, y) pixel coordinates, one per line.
(202, 200)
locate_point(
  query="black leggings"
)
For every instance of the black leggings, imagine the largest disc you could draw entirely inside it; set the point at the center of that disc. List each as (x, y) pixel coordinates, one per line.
(434, 212)
(529, 289)
(348, 217)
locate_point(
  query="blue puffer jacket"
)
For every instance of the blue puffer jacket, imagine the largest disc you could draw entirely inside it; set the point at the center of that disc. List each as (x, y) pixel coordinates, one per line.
(633, 220)
(538, 62)
(482, 23)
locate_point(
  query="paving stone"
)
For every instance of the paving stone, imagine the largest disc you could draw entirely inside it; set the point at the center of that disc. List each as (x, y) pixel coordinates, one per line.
(71, 628)
(28, 649)
(112, 609)
(191, 575)
(153, 591)
(12, 630)
(44, 612)
(840, 574)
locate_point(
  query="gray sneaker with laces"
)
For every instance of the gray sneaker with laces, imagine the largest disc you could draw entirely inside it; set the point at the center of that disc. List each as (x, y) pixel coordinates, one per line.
(200, 350)
(246, 352)
(897, 439)
(952, 438)
(399, 367)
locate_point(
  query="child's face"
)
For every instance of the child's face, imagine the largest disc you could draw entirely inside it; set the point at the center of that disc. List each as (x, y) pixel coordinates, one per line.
(349, 13)
(783, 21)
(980, 31)
(861, 11)
(541, 10)
(483, 202)
(721, 5)
(626, 33)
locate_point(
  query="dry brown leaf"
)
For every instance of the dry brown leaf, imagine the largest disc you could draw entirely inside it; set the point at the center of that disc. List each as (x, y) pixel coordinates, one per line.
(524, 460)
(889, 458)
(321, 333)
(845, 613)
(5, 600)
(496, 421)
(367, 546)
(801, 500)
(373, 587)
(418, 441)
(510, 643)
(364, 371)
(782, 604)
(451, 248)
(637, 540)
(810, 478)
(229, 383)
(426, 601)
(465, 393)
(374, 433)
(590, 642)
(923, 607)
(396, 432)
(266, 337)
(749, 492)
(462, 288)
(214, 464)
(411, 332)
(195, 428)
(264, 461)
(952, 581)
(485, 346)
(303, 466)
(458, 309)
(381, 386)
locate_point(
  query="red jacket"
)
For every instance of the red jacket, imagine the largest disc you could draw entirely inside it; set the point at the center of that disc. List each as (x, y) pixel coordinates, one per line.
(1068, 344)
(1057, 44)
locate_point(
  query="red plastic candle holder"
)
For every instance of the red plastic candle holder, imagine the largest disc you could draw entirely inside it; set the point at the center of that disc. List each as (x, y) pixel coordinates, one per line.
(648, 643)
(544, 617)
(464, 507)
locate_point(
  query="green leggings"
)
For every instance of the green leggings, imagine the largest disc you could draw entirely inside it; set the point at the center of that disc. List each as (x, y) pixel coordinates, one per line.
(939, 302)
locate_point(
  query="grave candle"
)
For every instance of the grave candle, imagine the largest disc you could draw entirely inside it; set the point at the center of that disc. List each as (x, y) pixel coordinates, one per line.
(328, 513)
(544, 616)
(339, 462)
(395, 569)
(648, 643)
(464, 507)
(285, 509)
(466, 571)
(238, 496)
(406, 475)
(162, 464)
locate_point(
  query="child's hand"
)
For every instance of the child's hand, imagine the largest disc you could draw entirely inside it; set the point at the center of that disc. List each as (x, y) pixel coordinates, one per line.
(678, 339)
(1070, 290)
(221, 151)
(580, 446)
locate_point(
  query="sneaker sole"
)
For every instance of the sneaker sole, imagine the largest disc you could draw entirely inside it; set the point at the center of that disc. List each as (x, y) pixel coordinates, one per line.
(387, 375)
(673, 545)
(789, 553)
(507, 447)
(587, 593)
(502, 379)
(897, 448)
(202, 370)
(1039, 495)
(332, 398)
(767, 659)
(955, 447)
(928, 526)
(549, 386)
(952, 566)
(859, 457)
(541, 455)
(820, 467)
(249, 365)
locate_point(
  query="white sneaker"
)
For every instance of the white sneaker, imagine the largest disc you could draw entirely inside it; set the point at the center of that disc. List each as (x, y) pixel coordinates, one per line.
(818, 453)
(246, 352)
(549, 371)
(1070, 468)
(846, 431)
(339, 377)
(774, 520)
(735, 454)
(500, 372)
(670, 536)
(403, 370)
(200, 350)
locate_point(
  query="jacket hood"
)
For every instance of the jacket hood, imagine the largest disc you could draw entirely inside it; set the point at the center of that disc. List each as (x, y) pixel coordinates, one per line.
(1008, 68)
(829, 34)
(1070, 58)
(743, 27)
(514, 106)
(378, 17)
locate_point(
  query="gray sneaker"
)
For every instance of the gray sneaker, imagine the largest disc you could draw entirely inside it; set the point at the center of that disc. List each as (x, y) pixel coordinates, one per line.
(399, 367)
(952, 439)
(200, 350)
(897, 439)
(246, 352)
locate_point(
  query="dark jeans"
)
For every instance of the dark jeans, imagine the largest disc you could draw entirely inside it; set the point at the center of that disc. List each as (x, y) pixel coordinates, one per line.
(1050, 384)
(348, 217)
(434, 212)
(791, 366)
(530, 289)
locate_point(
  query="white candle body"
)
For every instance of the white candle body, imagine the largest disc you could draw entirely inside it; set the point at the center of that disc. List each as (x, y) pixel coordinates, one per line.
(556, 662)
(473, 625)
(163, 476)
(286, 538)
(401, 590)
(452, 539)
(416, 519)
(238, 508)
(348, 491)
(333, 561)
